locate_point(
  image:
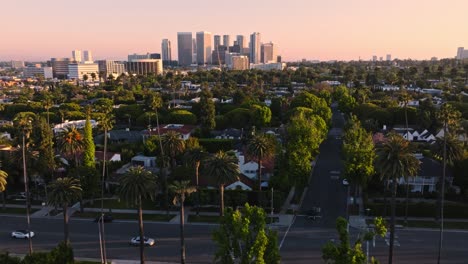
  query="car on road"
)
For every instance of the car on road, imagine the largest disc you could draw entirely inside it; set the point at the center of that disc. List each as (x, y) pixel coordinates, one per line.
(22, 234)
(345, 182)
(107, 218)
(17, 197)
(135, 241)
(314, 213)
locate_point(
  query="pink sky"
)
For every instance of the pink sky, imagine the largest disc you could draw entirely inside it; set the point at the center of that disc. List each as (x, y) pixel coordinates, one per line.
(311, 29)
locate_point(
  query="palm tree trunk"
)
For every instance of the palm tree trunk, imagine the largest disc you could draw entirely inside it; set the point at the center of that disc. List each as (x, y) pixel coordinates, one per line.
(442, 196)
(407, 203)
(103, 241)
(221, 199)
(140, 225)
(384, 215)
(163, 172)
(182, 240)
(259, 182)
(26, 189)
(197, 167)
(392, 223)
(65, 224)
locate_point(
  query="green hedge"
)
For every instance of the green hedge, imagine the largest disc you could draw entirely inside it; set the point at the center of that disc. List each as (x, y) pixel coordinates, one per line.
(213, 145)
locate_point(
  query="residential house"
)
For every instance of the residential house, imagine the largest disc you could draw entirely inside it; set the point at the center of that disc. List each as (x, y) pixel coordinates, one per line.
(183, 130)
(428, 176)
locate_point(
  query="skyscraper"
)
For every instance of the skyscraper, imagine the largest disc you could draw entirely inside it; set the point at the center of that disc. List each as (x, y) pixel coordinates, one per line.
(203, 47)
(88, 56)
(217, 41)
(184, 48)
(268, 53)
(255, 40)
(76, 55)
(226, 40)
(241, 41)
(389, 57)
(166, 50)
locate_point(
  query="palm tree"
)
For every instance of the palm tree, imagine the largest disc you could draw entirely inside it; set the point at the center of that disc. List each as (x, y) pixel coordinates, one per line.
(136, 184)
(48, 103)
(62, 193)
(194, 156)
(70, 141)
(181, 190)
(450, 120)
(222, 168)
(260, 147)
(173, 145)
(155, 103)
(24, 122)
(405, 98)
(3, 184)
(396, 160)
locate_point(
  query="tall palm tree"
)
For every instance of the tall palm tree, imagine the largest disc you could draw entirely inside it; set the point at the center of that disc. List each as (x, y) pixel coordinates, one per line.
(155, 103)
(450, 120)
(62, 193)
(24, 122)
(181, 190)
(136, 184)
(396, 160)
(260, 147)
(221, 168)
(173, 145)
(405, 97)
(70, 141)
(105, 122)
(194, 156)
(48, 103)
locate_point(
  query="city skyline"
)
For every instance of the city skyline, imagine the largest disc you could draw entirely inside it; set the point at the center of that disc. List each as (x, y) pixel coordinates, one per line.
(332, 30)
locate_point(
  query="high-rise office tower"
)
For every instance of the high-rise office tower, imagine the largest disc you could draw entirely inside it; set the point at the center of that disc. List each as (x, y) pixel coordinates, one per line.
(268, 53)
(374, 58)
(216, 41)
(462, 53)
(166, 50)
(226, 40)
(241, 41)
(88, 56)
(389, 57)
(255, 40)
(60, 67)
(184, 48)
(203, 47)
(76, 55)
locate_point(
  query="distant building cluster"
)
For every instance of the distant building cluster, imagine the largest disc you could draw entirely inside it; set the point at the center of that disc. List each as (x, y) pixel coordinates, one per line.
(218, 50)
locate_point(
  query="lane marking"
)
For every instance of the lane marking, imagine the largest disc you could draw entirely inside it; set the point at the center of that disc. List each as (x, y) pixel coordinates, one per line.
(287, 231)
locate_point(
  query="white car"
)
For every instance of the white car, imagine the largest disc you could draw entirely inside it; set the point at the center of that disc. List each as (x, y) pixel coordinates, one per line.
(22, 234)
(345, 182)
(135, 241)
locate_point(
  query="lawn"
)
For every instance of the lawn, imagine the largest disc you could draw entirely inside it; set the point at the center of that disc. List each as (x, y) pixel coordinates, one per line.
(116, 204)
(17, 211)
(122, 216)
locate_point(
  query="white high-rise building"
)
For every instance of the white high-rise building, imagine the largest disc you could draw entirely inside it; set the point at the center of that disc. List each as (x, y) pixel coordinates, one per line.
(462, 53)
(268, 53)
(88, 56)
(166, 50)
(17, 64)
(374, 58)
(389, 57)
(203, 48)
(255, 40)
(78, 70)
(76, 55)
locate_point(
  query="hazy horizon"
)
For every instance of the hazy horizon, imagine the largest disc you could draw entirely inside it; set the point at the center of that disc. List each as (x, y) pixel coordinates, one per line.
(302, 29)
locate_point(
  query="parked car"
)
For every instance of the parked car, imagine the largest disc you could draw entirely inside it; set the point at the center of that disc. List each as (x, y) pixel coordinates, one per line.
(17, 197)
(314, 213)
(22, 234)
(135, 241)
(107, 218)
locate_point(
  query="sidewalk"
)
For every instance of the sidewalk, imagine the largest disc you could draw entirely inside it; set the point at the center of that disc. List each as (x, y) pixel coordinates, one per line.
(283, 219)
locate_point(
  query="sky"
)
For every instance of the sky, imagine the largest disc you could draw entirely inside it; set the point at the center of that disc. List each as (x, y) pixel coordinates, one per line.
(35, 30)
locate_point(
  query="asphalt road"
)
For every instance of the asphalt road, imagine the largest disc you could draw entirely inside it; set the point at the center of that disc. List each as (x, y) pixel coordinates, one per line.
(326, 189)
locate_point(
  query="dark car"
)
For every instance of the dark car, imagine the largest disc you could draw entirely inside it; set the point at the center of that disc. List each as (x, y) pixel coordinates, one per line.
(314, 213)
(107, 218)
